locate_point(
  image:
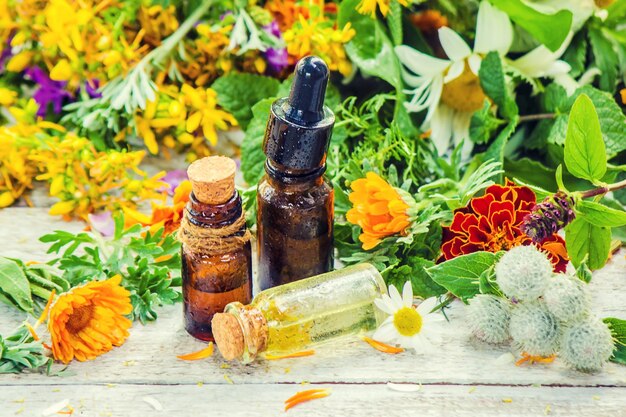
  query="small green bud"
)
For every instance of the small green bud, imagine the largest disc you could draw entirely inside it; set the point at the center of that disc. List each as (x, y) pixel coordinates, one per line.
(523, 272)
(488, 318)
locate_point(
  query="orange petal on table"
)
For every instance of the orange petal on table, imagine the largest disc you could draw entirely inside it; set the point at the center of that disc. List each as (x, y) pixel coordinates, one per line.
(534, 359)
(383, 347)
(201, 354)
(304, 396)
(290, 355)
(46, 309)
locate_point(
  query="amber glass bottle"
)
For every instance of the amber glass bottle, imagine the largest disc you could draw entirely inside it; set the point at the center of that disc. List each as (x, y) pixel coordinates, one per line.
(295, 201)
(216, 252)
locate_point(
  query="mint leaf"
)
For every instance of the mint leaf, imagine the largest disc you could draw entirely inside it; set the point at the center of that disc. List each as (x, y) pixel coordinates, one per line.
(14, 286)
(237, 92)
(587, 241)
(549, 29)
(483, 124)
(494, 84)
(576, 54)
(618, 330)
(461, 275)
(606, 59)
(530, 171)
(600, 215)
(252, 156)
(585, 155)
(415, 271)
(370, 50)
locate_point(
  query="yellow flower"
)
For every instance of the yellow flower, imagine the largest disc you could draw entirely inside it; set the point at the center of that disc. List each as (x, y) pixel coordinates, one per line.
(378, 209)
(88, 321)
(158, 22)
(369, 6)
(7, 97)
(317, 36)
(18, 62)
(204, 114)
(61, 71)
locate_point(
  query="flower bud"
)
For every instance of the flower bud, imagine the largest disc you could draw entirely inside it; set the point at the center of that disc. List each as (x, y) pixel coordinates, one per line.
(523, 272)
(587, 346)
(488, 318)
(534, 329)
(549, 216)
(566, 298)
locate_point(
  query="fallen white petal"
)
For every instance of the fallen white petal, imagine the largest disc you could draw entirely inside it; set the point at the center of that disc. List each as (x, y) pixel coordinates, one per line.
(505, 359)
(55, 408)
(153, 402)
(404, 387)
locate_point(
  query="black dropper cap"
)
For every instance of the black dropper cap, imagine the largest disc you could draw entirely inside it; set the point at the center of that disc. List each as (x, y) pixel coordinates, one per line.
(299, 127)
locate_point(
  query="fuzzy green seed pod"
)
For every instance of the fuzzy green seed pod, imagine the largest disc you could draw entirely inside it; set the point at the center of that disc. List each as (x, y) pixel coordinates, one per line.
(534, 329)
(523, 272)
(566, 298)
(587, 345)
(488, 318)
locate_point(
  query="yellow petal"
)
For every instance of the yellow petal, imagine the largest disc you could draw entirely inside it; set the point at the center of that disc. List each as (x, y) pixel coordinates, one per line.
(61, 71)
(6, 199)
(62, 207)
(19, 61)
(194, 121)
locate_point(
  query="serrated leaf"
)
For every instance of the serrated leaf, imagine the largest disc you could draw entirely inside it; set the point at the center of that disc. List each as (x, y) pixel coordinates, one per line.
(415, 271)
(493, 83)
(370, 50)
(483, 124)
(394, 22)
(600, 215)
(585, 155)
(618, 331)
(586, 241)
(238, 92)
(576, 54)
(14, 285)
(461, 275)
(549, 29)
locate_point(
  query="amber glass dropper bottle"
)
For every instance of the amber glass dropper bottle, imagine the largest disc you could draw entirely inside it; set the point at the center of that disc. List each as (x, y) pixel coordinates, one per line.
(216, 251)
(295, 201)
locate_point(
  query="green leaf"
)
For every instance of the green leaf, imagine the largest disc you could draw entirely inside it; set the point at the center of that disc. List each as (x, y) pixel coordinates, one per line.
(237, 92)
(576, 54)
(618, 331)
(585, 155)
(530, 171)
(252, 156)
(585, 240)
(606, 59)
(493, 83)
(14, 285)
(600, 215)
(461, 275)
(415, 271)
(549, 29)
(370, 50)
(483, 124)
(394, 21)
(583, 272)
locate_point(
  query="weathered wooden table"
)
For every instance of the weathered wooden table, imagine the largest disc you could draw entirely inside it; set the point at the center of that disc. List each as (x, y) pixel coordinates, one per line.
(464, 378)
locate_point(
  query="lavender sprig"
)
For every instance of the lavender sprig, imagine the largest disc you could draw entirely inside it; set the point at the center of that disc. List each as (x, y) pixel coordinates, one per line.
(549, 216)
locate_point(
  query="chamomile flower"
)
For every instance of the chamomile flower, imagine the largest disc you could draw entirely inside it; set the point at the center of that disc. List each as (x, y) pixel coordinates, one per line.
(449, 89)
(406, 325)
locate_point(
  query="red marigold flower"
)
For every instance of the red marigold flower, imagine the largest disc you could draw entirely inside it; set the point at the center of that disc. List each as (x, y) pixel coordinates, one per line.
(493, 223)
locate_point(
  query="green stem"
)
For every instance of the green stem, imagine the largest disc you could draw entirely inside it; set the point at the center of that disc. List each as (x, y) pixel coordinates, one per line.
(540, 116)
(603, 190)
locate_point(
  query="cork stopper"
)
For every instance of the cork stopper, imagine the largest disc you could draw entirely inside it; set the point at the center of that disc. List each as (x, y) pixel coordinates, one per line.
(212, 179)
(228, 335)
(240, 338)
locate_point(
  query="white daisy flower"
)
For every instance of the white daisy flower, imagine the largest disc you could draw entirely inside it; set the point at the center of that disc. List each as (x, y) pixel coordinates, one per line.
(407, 326)
(450, 89)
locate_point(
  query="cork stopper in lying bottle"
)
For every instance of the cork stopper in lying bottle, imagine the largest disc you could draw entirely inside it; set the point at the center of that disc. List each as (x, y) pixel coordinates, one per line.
(240, 332)
(212, 179)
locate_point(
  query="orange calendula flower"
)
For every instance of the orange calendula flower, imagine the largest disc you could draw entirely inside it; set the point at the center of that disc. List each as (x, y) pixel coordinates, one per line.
(88, 321)
(378, 209)
(429, 21)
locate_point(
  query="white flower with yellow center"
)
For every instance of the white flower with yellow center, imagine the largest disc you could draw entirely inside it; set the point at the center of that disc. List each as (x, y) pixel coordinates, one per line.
(407, 326)
(450, 89)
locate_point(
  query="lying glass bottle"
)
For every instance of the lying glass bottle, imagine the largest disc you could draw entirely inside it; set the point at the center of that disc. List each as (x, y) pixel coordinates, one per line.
(292, 317)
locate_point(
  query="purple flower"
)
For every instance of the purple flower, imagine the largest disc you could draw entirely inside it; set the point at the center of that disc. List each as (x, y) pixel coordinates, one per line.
(102, 223)
(48, 91)
(91, 87)
(174, 178)
(6, 53)
(276, 57)
(548, 217)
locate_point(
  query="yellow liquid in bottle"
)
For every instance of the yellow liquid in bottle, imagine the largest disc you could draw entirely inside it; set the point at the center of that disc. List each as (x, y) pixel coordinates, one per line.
(321, 308)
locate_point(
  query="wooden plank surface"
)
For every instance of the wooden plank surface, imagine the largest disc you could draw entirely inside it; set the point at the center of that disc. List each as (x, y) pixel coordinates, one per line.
(147, 366)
